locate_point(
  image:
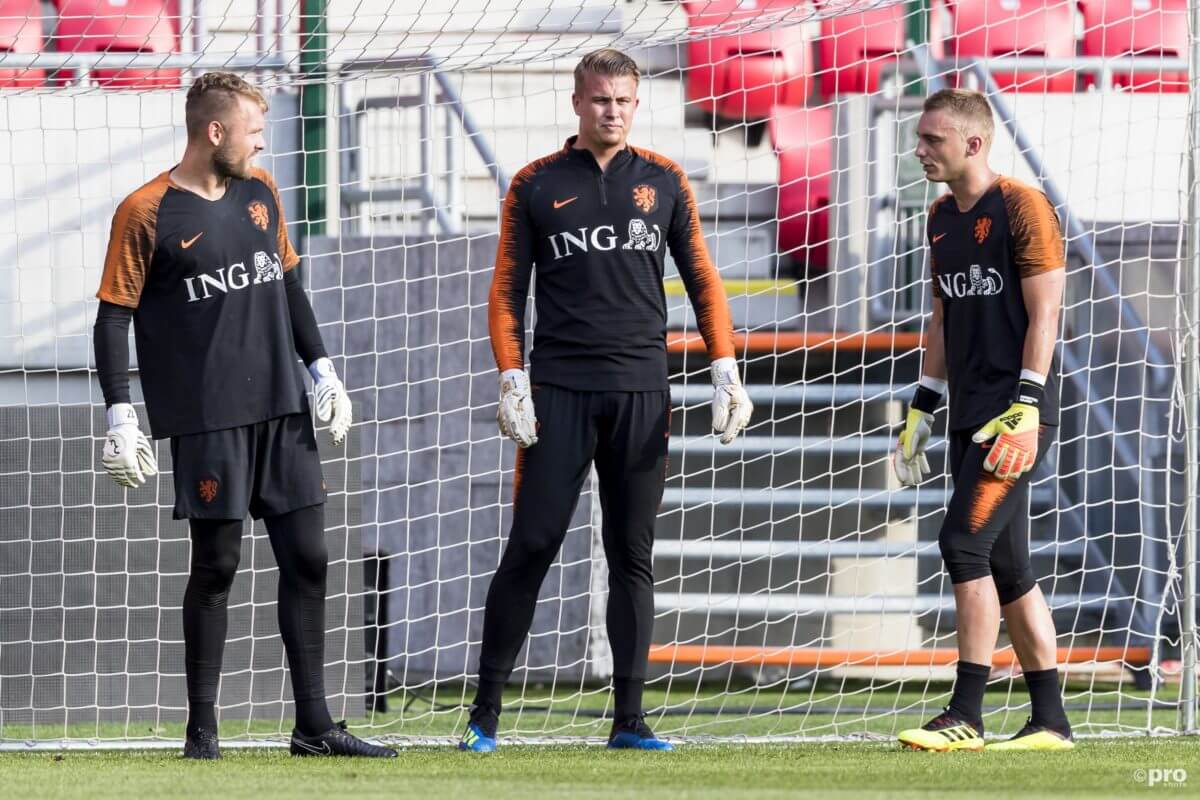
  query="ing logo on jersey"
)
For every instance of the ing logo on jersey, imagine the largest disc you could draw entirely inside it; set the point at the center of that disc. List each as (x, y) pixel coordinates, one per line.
(975, 283)
(207, 489)
(259, 214)
(641, 237)
(983, 226)
(266, 268)
(645, 197)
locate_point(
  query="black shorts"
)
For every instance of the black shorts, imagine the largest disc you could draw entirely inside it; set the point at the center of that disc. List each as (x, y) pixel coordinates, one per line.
(268, 468)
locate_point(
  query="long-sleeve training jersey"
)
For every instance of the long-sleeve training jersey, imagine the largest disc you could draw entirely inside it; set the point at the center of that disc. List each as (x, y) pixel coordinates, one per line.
(599, 241)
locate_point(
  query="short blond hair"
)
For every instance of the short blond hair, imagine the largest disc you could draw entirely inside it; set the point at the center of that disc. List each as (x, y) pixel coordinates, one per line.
(213, 95)
(609, 62)
(969, 108)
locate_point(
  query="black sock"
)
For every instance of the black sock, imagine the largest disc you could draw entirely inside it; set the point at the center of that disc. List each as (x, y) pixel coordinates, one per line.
(298, 540)
(201, 716)
(1047, 701)
(967, 701)
(216, 549)
(627, 698)
(488, 694)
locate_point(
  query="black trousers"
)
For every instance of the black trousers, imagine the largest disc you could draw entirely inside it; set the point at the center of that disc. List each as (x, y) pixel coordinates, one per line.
(986, 529)
(625, 434)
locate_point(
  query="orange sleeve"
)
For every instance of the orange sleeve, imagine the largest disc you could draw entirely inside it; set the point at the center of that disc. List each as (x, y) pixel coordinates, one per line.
(1037, 238)
(937, 291)
(510, 278)
(685, 238)
(287, 254)
(131, 245)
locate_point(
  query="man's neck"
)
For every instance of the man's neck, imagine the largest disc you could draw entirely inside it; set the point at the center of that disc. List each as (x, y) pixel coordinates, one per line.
(971, 186)
(601, 152)
(195, 173)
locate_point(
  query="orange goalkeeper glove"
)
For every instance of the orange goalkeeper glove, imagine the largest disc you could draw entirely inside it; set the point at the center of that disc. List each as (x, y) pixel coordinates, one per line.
(1015, 431)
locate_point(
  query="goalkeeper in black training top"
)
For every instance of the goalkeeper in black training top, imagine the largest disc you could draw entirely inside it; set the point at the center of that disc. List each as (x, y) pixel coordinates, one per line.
(200, 260)
(596, 218)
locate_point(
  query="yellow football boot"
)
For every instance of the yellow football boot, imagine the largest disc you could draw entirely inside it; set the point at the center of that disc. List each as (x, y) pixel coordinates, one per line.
(943, 733)
(1035, 737)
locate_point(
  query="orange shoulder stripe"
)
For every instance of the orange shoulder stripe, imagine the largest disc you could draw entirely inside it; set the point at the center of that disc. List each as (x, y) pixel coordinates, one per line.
(131, 244)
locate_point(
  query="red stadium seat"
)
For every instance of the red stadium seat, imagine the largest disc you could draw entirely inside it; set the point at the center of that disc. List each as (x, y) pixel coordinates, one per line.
(991, 28)
(121, 26)
(856, 47)
(1140, 28)
(743, 76)
(803, 138)
(21, 32)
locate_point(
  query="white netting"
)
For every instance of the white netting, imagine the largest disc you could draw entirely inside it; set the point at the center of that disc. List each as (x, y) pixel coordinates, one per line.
(799, 592)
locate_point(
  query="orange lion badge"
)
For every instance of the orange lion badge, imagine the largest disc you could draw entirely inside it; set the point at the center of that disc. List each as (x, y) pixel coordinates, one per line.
(259, 214)
(983, 226)
(645, 198)
(208, 489)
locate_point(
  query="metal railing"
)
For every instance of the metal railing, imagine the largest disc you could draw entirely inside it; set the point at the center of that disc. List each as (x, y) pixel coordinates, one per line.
(439, 211)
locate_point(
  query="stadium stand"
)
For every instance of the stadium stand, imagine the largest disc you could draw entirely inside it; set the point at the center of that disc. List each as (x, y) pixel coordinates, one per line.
(127, 26)
(1139, 28)
(991, 28)
(20, 32)
(855, 48)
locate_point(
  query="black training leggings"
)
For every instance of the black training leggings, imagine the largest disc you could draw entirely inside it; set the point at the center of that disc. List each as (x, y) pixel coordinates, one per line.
(986, 529)
(298, 541)
(625, 433)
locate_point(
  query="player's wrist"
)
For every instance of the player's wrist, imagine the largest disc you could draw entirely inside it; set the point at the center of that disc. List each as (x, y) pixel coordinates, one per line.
(928, 395)
(725, 372)
(1031, 388)
(121, 415)
(322, 368)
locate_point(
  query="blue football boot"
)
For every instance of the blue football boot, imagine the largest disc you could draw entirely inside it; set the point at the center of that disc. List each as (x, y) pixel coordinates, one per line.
(480, 736)
(633, 733)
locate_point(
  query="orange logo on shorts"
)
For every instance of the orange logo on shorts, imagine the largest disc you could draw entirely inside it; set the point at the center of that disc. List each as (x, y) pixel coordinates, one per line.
(983, 226)
(208, 489)
(644, 197)
(259, 215)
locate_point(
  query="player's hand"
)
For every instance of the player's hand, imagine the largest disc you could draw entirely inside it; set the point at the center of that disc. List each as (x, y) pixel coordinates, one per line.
(909, 461)
(731, 406)
(128, 456)
(333, 404)
(516, 416)
(1015, 448)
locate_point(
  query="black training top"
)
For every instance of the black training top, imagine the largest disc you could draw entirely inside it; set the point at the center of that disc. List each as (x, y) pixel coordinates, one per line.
(598, 240)
(978, 259)
(211, 321)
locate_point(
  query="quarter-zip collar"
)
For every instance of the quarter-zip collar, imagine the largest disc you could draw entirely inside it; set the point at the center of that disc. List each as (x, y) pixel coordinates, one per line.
(584, 156)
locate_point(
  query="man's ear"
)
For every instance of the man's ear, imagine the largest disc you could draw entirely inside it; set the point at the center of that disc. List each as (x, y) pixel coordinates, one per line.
(216, 133)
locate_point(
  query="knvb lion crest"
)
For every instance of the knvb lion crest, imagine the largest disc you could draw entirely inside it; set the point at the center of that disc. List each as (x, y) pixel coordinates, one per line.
(983, 226)
(208, 489)
(645, 198)
(259, 214)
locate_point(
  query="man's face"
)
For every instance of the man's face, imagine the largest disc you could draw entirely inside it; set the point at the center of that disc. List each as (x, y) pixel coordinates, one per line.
(942, 149)
(605, 109)
(240, 139)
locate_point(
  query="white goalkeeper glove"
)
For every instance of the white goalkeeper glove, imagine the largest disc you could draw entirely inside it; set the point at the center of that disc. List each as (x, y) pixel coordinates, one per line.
(731, 406)
(515, 416)
(333, 404)
(128, 456)
(909, 461)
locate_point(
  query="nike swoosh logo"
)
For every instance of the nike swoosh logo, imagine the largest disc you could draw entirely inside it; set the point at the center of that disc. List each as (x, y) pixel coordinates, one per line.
(561, 203)
(939, 236)
(189, 242)
(322, 750)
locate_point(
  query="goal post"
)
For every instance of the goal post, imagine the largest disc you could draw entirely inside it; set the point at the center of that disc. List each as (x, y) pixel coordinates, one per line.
(799, 590)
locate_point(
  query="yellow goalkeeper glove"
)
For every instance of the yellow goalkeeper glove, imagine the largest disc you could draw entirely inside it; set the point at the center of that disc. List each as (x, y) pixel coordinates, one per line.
(1016, 445)
(909, 461)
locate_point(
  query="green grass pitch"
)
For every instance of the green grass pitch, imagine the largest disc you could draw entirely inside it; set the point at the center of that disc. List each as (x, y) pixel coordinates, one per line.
(1097, 768)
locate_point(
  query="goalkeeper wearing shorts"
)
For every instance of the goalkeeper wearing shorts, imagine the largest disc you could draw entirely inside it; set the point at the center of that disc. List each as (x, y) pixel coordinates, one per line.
(199, 259)
(997, 260)
(595, 217)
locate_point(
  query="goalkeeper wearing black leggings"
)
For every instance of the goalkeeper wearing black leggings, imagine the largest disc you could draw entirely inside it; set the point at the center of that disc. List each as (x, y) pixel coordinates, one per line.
(596, 218)
(200, 261)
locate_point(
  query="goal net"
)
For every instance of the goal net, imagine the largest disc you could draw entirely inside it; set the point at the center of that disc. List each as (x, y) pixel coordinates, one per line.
(799, 590)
